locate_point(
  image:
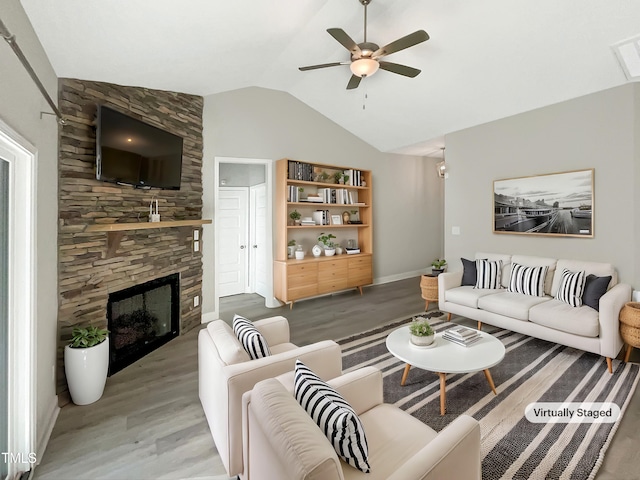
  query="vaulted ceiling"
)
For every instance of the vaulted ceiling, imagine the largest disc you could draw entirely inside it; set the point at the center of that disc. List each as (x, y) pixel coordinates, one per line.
(485, 59)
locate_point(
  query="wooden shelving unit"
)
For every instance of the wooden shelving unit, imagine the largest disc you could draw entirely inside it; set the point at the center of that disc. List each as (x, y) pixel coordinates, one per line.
(115, 231)
(297, 279)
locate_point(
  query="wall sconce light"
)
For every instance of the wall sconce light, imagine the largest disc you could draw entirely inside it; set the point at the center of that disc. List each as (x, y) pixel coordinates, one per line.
(441, 166)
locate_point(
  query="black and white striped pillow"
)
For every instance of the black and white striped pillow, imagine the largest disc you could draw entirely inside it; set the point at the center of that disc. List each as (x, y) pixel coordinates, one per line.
(571, 288)
(335, 417)
(250, 338)
(488, 273)
(527, 280)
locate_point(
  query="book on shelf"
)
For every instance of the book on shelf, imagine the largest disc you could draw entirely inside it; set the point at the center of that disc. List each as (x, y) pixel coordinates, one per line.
(351, 251)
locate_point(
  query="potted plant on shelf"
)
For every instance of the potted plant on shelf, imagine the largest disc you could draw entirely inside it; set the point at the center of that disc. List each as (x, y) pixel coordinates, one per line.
(295, 216)
(421, 332)
(86, 363)
(327, 242)
(291, 248)
(338, 177)
(437, 266)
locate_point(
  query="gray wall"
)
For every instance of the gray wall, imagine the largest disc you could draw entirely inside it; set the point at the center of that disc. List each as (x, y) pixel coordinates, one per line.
(20, 107)
(262, 123)
(595, 131)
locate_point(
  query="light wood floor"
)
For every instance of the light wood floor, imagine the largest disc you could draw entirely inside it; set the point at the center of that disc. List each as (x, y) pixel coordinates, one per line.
(149, 423)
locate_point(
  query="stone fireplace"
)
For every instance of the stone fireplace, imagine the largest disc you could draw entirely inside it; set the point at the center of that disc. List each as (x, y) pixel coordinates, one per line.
(91, 265)
(142, 318)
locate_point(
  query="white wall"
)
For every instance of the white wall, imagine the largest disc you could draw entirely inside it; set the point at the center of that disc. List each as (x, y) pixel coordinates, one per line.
(595, 131)
(20, 107)
(262, 123)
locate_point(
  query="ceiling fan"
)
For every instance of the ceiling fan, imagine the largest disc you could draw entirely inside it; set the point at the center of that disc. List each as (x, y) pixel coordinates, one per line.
(365, 56)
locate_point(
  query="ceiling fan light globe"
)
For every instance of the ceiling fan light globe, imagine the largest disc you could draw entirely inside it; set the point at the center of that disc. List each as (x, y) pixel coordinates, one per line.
(364, 67)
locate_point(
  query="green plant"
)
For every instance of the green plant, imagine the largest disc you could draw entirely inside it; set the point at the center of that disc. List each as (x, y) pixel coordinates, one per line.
(84, 337)
(326, 240)
(420, 327)
(323, 177)
(337, 176)
(345, 178)
(438, 263)
(295, 215)
(292, 243)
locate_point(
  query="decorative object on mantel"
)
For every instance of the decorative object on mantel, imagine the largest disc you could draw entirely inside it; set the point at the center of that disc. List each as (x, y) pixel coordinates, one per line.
(154, 213)
(437, 266)
(86, 364)
(630, 327)
(421, 332)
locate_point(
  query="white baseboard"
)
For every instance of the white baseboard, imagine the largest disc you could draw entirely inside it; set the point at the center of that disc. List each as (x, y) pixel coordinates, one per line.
(398, 276)
(47, 429)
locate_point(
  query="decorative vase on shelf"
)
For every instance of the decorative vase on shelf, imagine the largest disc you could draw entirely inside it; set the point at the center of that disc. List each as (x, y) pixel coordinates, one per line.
(329, 252)
(299, 253)
(316, 250)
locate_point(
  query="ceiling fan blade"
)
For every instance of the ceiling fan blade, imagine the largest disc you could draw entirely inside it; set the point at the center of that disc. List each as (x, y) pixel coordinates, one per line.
(399, 69)
(402, 43)
(322, 65)
(354, 81)
(345, 40)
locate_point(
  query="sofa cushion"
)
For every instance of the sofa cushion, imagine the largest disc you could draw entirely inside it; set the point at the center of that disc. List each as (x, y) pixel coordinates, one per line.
(558, 315)
(488, 273)
(250, 338)
(594, 288)
(527, 280)
(468, 296)
(593, 268)
(469, 272)
(571, 288)
(333, 414)
(531, 261)
(514, 305)
(506, 264)
(227, 344)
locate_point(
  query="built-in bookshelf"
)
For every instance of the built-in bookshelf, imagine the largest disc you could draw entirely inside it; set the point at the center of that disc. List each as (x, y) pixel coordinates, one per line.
(330, 199)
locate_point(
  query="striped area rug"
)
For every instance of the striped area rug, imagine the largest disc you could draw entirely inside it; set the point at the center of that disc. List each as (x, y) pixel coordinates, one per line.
(533, 370)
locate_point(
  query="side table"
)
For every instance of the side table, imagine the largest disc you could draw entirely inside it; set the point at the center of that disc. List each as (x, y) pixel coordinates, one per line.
(630, 327)
(429, 287)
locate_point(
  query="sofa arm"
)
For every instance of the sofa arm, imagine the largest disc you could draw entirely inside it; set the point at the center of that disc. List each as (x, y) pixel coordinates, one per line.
(275, 330)
(610, 305)
(362, 388)
(446, 281)
(454, 454)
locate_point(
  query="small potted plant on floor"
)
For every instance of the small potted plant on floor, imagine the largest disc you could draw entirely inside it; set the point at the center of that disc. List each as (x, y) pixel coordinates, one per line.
(327, 241)
(86, 363)
(421, 332)
(437, 266)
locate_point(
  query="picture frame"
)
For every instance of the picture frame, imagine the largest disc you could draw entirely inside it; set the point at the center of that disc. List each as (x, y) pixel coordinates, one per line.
(336, 219)
(554, 204)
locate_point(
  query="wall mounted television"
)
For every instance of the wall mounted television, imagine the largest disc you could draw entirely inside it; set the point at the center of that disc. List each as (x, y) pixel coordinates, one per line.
(131, 152)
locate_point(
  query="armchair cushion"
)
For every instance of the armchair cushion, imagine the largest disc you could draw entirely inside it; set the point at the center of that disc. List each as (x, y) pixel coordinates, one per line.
(571, 288)
(594, 288)
(333, 414)
(227, 344)
(250, 338)
(488, 273)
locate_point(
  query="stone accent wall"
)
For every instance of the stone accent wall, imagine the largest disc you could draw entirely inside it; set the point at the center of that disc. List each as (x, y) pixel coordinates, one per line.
(86, 273)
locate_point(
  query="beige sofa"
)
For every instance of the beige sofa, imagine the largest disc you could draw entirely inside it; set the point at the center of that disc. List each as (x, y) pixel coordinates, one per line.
(542, 317)
(225, 372)
(282, 441)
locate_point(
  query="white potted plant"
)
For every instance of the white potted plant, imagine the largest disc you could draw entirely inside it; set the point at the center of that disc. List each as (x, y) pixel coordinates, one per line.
(86, 363)
(327, 242)
(421, 332)
(437, 266)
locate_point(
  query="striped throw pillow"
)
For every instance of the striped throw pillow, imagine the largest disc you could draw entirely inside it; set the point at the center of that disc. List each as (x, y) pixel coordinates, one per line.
(527, 280)
(250, 338)
(488, 273)
(335, 417)
(571, 288)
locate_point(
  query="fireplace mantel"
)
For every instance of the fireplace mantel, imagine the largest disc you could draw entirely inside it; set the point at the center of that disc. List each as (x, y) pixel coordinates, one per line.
(115, 231)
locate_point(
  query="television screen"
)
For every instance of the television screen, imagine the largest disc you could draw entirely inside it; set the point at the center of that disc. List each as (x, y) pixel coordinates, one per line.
(132, 152)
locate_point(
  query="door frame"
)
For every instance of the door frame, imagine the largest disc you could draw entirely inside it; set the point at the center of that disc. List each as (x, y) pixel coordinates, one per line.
(22, 332)
(270, 300)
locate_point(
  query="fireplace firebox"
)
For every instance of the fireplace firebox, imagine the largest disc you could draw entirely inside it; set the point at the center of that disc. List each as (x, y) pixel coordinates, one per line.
(141, 319)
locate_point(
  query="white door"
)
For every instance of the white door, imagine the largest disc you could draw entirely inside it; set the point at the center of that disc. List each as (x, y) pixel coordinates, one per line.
(233, 240)
(258, 233)
(4, 313)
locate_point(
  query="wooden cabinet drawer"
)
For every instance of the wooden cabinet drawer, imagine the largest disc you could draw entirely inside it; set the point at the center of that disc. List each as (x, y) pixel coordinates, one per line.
(360, 272)
(358, 261)
(333, 285)
(329, 271)
(296, 292)
(302, 275)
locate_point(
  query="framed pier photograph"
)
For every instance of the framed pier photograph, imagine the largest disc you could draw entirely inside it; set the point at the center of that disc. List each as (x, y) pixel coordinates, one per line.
(558, 204)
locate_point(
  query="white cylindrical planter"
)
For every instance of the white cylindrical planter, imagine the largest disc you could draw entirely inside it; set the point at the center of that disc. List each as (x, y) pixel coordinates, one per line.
(86, 370)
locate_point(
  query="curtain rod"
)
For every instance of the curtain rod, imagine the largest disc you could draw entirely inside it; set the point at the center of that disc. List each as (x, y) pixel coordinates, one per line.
(11, 40)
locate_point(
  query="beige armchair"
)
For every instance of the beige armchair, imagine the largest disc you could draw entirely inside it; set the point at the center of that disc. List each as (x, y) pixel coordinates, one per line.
(282, 441)
(225, 372)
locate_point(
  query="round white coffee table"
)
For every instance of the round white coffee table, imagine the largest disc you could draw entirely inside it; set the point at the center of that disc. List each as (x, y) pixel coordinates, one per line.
(446, 357)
